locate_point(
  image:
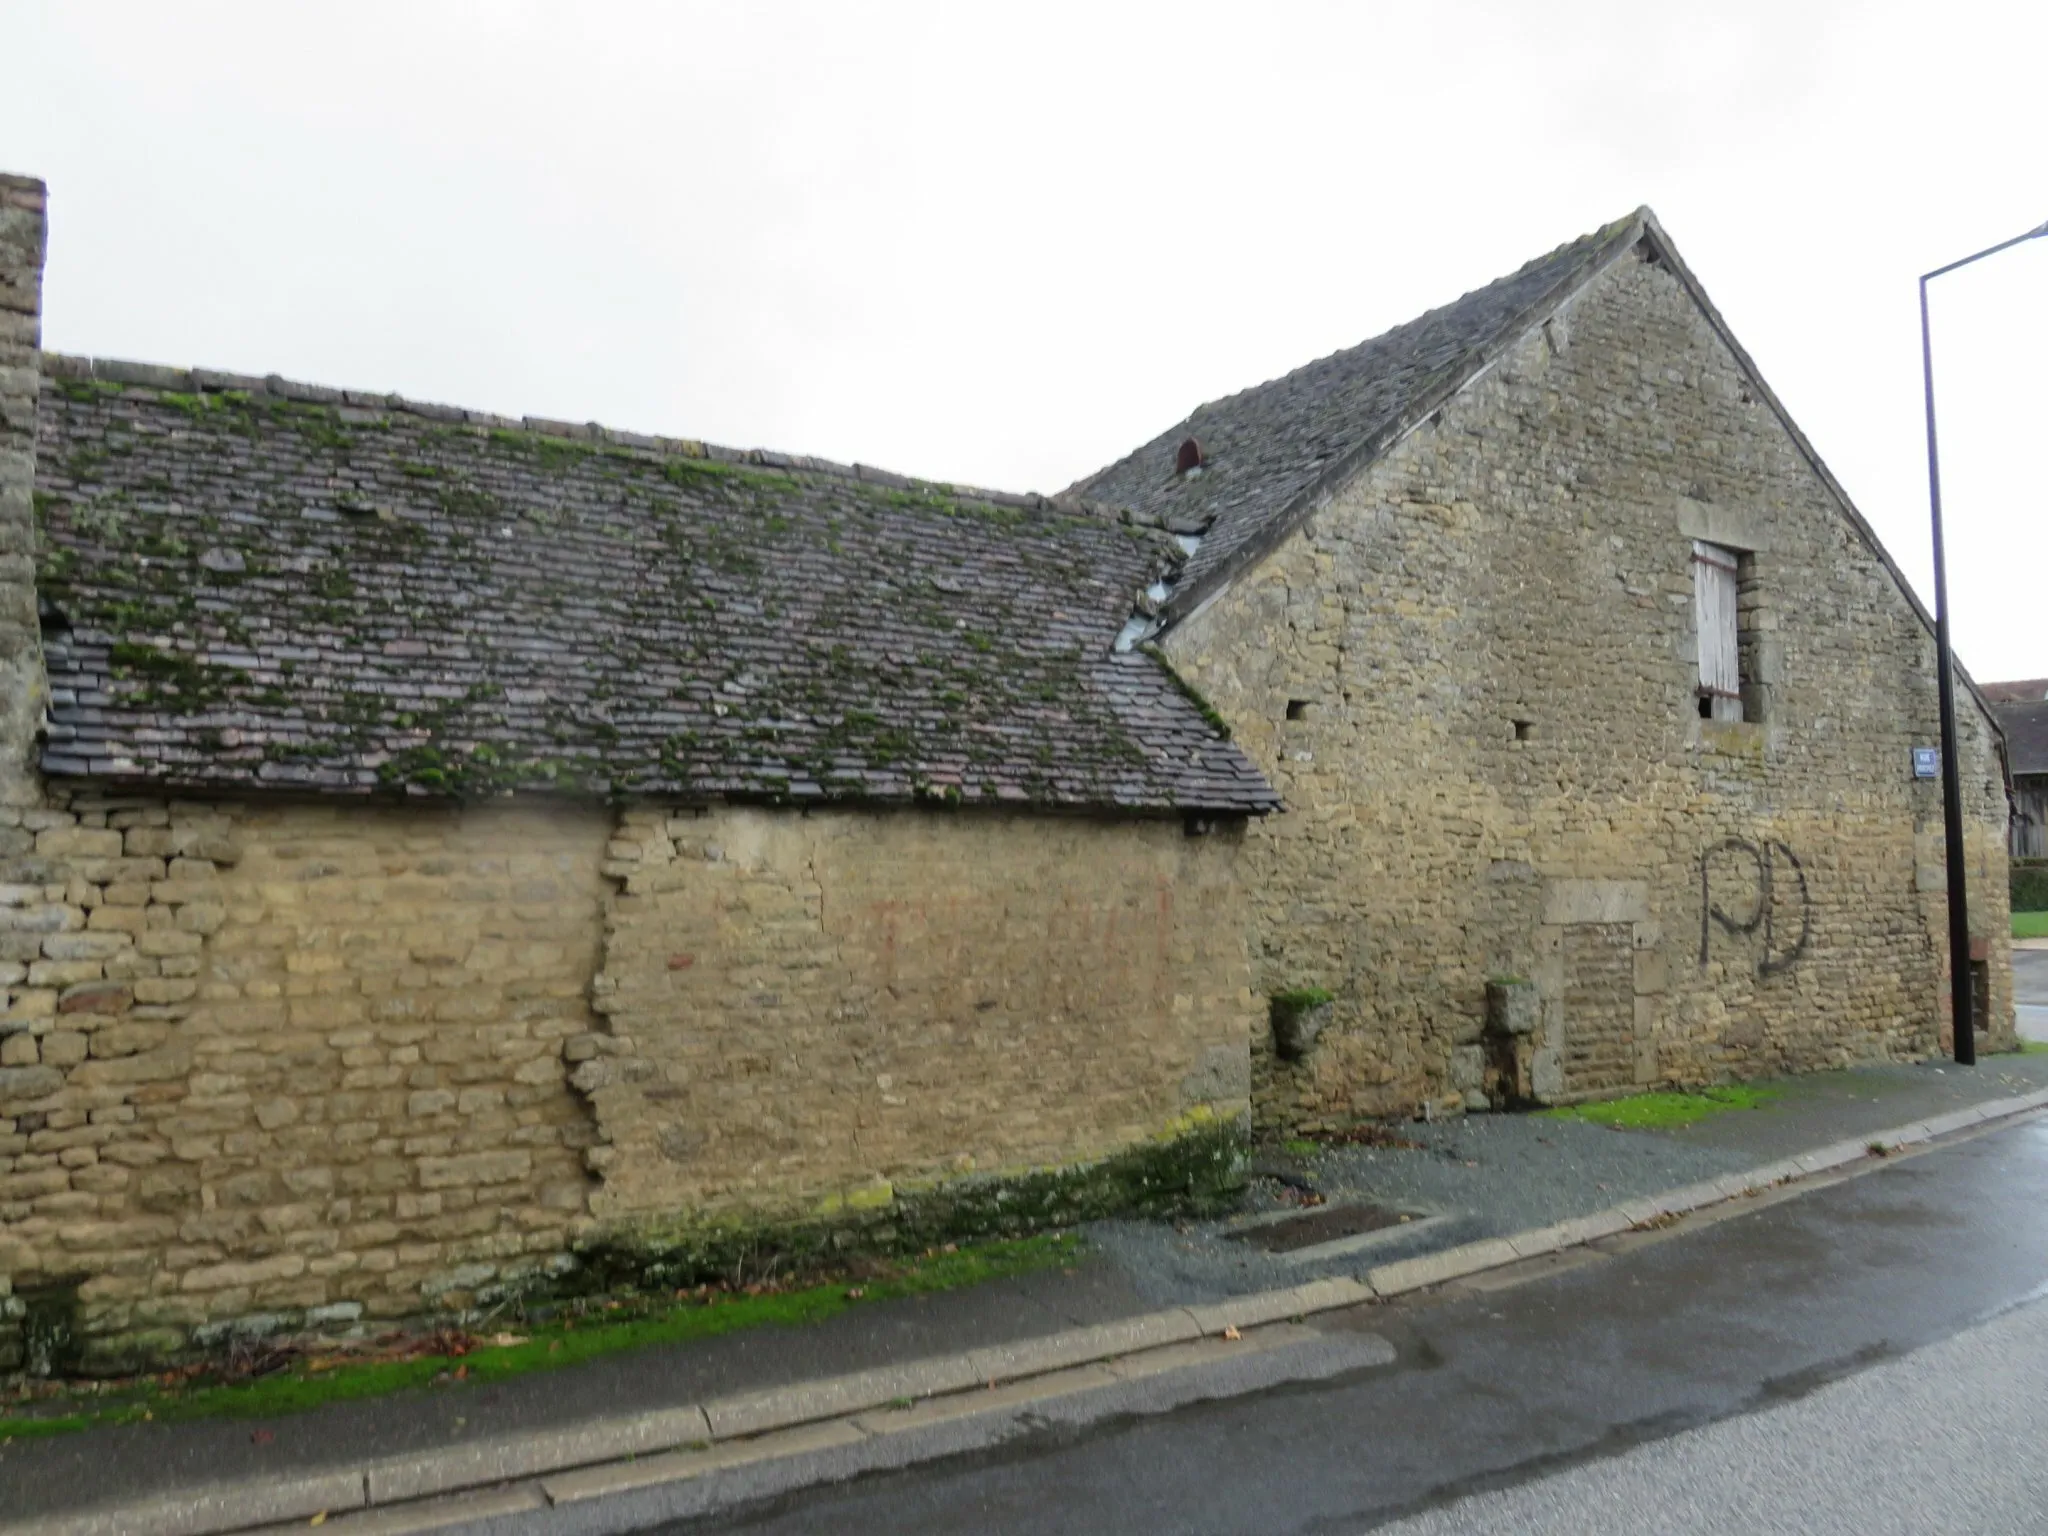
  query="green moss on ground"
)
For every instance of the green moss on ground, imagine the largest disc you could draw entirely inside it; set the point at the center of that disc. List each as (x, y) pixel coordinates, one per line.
(1197, 1171)
(1665, 1111)
(599, 1328)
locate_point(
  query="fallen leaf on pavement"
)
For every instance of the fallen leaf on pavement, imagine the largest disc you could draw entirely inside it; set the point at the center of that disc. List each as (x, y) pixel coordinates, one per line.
(261, 1437)
(507, 1340)
(1232, 1333)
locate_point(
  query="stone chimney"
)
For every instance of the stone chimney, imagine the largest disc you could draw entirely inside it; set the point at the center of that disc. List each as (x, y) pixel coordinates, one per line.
(23, 688)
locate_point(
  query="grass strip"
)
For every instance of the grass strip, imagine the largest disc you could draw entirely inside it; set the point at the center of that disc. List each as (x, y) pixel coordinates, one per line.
(1664, 1111)
(605, 1328)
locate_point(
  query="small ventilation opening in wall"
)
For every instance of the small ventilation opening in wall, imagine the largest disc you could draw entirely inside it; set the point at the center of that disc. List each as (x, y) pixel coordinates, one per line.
(1300, 709)
(1524, 729)
(1188, 461)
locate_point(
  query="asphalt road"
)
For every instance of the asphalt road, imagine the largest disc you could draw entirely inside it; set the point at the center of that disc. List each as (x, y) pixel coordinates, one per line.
(1951, 1438)
(1702, 1379)
(2030, 992)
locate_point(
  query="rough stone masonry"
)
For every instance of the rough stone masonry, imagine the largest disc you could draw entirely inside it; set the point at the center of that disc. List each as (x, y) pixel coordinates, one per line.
(453, 840)
(1472, 668)
(807, 905)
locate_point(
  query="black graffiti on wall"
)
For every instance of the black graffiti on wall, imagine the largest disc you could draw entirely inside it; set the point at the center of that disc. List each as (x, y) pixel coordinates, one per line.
(1776, 897)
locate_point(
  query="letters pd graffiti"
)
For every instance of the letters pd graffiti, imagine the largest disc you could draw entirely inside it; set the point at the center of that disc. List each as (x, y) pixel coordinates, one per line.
(1774, 894)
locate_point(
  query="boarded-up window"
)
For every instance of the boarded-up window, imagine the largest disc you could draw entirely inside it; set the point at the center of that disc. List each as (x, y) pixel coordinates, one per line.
(1715, 615)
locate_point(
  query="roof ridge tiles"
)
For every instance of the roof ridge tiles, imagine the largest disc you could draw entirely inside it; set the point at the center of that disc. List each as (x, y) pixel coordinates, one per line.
(170, 380)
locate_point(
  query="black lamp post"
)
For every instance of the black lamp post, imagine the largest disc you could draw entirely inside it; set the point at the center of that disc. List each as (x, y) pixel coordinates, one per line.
(1962, 1001)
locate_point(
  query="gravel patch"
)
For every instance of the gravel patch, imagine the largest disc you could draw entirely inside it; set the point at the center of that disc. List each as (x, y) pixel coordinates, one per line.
(1480, 1176)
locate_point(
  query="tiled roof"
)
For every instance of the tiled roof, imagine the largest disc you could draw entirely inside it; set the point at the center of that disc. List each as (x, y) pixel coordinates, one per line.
(249, 583)
(2030, 690)
(2026, 733)
(1268, 453)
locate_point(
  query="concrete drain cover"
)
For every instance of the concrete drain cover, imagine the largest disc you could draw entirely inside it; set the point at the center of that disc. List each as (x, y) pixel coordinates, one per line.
(1324, 1226)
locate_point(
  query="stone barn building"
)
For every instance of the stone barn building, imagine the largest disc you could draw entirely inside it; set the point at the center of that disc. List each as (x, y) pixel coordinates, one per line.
(1591, 698)
(2022, 711)
(435, 847)
(453, 837)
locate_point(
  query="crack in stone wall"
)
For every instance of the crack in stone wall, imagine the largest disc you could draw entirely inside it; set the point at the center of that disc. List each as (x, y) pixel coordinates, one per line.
(808, 1012)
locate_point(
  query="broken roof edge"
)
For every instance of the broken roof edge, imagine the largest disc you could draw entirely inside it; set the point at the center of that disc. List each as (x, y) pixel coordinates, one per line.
(1616, 239)
(64, 366)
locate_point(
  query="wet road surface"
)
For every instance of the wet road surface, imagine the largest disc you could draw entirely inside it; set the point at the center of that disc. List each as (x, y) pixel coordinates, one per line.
(1948, 1439)
(2030, 992)
(1496, 1389)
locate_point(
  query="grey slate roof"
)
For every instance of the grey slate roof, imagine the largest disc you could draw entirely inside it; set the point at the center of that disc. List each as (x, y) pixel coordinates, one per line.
(2030, 690)
(2026, 733)
(249, 583)
(1271, 451)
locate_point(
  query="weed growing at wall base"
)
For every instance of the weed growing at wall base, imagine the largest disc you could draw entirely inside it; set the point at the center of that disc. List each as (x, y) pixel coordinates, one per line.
(549, 1339)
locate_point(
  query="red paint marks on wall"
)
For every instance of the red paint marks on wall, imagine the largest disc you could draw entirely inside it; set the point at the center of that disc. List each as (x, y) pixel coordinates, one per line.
(681, 962)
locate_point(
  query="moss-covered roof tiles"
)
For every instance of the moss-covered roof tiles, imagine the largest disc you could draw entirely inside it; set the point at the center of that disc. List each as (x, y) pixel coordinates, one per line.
(249, 584)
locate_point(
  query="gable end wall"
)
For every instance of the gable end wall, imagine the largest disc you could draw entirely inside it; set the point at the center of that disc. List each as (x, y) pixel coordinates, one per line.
(1525, 557)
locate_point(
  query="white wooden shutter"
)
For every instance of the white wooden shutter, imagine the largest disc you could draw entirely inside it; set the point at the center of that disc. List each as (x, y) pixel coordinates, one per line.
(1713, 589)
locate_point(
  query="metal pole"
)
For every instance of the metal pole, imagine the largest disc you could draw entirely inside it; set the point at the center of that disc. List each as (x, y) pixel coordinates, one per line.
(1962, 995)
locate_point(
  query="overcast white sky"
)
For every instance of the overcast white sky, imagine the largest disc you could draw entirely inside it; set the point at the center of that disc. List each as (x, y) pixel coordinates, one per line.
(1007, 246)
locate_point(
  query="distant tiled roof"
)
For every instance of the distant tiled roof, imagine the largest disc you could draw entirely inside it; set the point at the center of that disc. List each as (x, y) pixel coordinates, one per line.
(2026, 733)
(1269, 452)
(249, 583)
(2030, 690)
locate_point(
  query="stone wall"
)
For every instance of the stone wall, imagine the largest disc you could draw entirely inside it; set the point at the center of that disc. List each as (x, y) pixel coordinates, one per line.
(22, 690)
(810, 1013)
(292, 1059)
(1472, 676)
(269, 1063)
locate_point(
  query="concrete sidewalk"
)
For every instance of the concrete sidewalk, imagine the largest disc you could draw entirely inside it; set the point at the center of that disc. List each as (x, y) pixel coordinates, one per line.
(1472, 1183)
